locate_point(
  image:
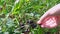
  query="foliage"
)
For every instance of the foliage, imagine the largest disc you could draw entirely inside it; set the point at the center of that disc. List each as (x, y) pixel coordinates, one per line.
(13, 12)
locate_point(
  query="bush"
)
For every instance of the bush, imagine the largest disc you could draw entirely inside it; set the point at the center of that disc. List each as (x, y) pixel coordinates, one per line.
(14, 15)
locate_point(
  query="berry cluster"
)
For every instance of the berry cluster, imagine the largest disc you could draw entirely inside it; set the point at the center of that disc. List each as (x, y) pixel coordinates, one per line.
(26, 27)
(31, 23)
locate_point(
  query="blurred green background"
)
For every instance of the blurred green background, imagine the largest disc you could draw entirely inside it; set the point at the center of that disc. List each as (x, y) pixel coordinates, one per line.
(13, 12)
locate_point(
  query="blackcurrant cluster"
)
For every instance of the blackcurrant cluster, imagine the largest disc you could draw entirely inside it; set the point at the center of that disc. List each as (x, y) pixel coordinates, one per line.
(26, 27)
(26, 31)
(32, 24)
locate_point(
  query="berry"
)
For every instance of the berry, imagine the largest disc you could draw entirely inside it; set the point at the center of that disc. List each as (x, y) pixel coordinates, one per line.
(33, 25)
(23, 31)
(30, 21)
(26, 31)
(22, 26)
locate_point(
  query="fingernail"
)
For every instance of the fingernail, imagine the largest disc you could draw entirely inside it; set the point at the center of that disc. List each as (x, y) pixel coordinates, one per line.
(38, 22)
(42, 26)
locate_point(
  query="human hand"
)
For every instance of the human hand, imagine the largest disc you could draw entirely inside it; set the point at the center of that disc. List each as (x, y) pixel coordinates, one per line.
(54, 11)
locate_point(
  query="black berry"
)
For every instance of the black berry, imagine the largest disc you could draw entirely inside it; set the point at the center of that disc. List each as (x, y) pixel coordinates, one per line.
(30, 21)
(21, 25)
(23, 31)
(33, 25)
(26, 31)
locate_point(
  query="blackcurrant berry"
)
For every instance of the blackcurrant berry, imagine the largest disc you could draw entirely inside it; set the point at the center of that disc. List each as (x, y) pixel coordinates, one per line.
(23, 31)
(33, 25)
(27, 30)
(30, 21)
(22, 26)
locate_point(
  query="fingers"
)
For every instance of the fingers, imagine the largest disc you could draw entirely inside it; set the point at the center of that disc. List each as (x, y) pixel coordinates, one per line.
(53, 11)
(50, 22)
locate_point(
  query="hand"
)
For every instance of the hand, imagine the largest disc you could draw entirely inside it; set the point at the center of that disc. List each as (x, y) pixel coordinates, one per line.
(53, 11)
